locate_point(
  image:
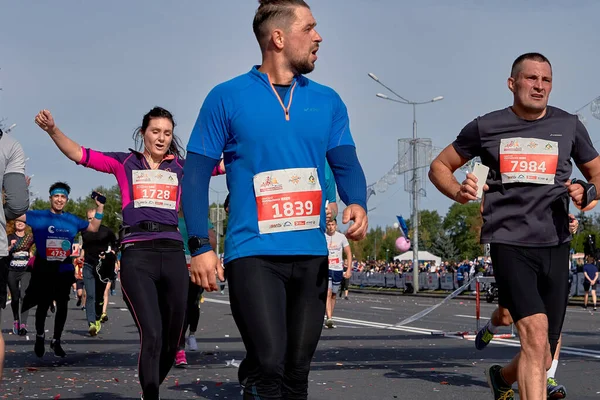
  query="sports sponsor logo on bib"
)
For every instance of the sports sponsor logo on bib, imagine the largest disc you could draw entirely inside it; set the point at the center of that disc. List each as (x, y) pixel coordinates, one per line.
(155, 188)
(528, 160)
(288, 200)
(57, 249)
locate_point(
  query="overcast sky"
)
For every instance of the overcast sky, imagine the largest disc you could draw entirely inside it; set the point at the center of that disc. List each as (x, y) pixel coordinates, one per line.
(99, 66)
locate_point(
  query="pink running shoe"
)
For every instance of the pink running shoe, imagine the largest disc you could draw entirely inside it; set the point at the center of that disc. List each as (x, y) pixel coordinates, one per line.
(180, 360)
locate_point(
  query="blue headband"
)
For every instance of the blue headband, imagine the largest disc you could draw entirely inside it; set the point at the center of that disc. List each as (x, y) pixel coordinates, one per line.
(60, 191)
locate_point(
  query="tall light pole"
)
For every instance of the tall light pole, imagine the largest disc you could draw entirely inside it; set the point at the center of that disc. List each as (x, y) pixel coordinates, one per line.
(415, 167)
(218, 219)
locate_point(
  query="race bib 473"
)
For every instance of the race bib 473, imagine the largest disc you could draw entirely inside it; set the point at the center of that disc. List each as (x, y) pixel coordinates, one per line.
(528, 160)
(288, 200)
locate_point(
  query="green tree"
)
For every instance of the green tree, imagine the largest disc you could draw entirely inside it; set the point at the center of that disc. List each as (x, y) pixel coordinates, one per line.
(430, 228)
(463, 224)
(445, 248)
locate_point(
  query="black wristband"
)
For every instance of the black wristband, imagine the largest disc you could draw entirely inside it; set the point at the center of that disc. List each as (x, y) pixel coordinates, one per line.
(589, 191)
(195, 243)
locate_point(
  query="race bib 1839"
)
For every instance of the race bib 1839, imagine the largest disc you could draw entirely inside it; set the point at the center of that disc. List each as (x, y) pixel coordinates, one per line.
(528, 160)
(155, 188)
(288, 200)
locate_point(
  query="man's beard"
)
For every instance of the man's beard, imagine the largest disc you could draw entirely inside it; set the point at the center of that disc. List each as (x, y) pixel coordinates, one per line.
(302, 67)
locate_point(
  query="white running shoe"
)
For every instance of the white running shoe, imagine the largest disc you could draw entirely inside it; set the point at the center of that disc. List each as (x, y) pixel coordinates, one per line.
(191, 343)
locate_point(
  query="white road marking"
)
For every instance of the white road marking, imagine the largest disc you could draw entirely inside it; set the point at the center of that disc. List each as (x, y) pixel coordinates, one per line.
(576, 351)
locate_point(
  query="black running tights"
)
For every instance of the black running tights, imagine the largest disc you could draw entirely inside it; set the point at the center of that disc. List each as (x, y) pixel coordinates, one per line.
(278, 304)
(154, 279)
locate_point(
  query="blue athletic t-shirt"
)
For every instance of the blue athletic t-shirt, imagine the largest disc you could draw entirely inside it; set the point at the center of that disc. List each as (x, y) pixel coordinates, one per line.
(330, 189)
(54, 234)
(269, 147)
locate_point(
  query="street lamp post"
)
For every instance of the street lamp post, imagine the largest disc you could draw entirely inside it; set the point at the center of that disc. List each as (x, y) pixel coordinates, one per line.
(218, 217)
(415, 188)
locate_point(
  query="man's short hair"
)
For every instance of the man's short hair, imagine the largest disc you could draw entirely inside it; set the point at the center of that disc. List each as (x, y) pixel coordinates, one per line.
(281, 12)
(516, 67)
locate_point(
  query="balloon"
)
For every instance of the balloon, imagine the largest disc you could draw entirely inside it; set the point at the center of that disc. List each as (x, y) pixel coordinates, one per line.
(402, 244)
(396, 225)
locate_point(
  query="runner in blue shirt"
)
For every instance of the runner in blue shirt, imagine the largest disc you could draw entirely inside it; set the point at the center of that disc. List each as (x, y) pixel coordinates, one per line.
(275, 128)
(53, 274)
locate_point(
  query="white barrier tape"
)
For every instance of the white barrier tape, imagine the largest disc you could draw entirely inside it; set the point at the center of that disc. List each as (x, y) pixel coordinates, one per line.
(426, 311)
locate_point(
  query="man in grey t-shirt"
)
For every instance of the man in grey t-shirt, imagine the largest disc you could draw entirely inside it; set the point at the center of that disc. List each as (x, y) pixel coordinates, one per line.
(528, 148)
(16, 203)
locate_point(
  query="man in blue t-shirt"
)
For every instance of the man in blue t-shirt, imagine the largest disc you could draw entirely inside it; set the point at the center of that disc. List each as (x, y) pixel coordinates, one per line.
(590, 273)
(54, 231)
(275, 129)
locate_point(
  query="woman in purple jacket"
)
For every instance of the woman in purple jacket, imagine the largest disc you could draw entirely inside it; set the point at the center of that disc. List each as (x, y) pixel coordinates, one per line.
(154, 275)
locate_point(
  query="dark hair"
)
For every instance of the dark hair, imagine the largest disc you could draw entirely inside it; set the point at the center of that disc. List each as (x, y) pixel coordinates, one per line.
(282, 11)
(514, 71)
(60, 185)
(158, 112)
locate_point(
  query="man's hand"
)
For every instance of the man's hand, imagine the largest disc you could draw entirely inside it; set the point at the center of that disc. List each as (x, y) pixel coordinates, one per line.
(331, 211)
(576, 194)
(468, 189)
(357, 214)
(45, 121)
(573, 224)
(99, 206)
(348, 273)
(204, 269)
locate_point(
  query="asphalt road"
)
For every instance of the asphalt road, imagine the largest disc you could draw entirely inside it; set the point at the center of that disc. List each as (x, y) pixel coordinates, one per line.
(365, 357)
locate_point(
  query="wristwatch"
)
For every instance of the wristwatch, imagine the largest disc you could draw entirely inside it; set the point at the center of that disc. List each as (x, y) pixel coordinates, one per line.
(195, 243)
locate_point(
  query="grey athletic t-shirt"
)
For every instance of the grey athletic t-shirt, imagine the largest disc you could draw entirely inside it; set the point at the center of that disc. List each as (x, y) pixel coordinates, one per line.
(530, 162)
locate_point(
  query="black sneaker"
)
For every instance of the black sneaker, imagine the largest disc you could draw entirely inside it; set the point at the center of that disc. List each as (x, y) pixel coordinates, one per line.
(58, 350)
(39, 348)
(243, 373)
(554, 390)
(500, 389)
(78, 301)
(483, 338)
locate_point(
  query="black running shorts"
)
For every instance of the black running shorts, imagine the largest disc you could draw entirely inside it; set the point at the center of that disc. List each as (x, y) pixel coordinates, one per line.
(587, 286)
(533, 280)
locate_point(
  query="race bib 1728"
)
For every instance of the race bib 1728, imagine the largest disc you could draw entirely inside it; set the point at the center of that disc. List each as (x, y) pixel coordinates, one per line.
(288, 200)
(155, 188)
(528, 160)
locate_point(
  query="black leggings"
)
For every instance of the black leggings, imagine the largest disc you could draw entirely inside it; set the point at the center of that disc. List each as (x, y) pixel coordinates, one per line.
(57, 287)
(192, 313)
(18, 281)
(278, 305)
(154, 279)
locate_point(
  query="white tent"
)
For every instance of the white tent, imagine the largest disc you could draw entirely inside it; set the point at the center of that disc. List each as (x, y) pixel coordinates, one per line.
(423, 256)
